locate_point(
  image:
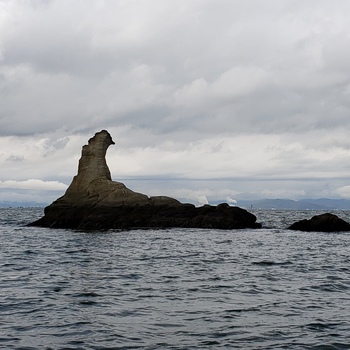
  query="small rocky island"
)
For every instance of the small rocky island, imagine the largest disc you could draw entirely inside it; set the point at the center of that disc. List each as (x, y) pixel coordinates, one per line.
(321, 223)
(94, 202)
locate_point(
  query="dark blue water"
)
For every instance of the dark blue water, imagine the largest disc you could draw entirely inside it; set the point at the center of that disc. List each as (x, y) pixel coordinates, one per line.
(173, 289)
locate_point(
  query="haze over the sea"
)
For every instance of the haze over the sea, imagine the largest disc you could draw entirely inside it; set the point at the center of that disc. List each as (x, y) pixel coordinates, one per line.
(205, 99)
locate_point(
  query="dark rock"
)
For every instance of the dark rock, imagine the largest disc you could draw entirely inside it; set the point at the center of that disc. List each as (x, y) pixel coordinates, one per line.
(323, 223)
(94, 202)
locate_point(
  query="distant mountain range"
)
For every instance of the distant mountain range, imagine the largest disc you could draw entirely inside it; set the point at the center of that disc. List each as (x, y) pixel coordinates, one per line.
(288, 204)
(303, 204)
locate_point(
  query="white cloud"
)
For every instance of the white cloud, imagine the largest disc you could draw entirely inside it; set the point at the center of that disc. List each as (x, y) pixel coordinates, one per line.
(34, 184)
(231, 84)
(343, 191)
(239, 81)
(231, 200)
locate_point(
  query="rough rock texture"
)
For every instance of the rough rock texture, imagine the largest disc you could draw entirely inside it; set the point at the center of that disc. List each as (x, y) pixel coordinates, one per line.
(323, 223)
(93, 201)
(94, 186)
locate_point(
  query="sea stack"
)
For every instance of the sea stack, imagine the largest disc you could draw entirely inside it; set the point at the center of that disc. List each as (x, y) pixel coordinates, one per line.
(94, 201)
(321, 223)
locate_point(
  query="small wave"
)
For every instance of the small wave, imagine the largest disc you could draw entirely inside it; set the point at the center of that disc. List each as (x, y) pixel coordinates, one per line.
(86, 295)
(321, 326)
(327, 287)
(331, 346)
(271, 263)
(87, 302)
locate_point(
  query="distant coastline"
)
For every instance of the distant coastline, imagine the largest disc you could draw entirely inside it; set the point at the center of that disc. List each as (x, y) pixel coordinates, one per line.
(289, 204)
(277, 204)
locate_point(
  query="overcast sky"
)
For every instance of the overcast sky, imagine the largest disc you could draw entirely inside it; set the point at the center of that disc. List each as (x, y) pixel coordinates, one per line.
(204, 99)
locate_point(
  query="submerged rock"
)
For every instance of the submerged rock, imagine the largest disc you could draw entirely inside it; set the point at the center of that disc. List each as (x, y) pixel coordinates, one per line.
(323, 223)
(93, 201)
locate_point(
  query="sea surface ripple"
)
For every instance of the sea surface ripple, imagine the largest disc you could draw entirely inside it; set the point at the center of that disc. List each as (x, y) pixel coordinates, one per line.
(173, 289)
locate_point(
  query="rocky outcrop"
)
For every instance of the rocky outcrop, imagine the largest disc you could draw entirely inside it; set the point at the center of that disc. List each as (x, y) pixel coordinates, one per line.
(93, 186)
(322, 223)
(93, 202)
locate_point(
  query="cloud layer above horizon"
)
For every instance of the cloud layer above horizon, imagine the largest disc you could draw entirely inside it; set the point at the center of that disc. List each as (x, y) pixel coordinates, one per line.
(249, 98)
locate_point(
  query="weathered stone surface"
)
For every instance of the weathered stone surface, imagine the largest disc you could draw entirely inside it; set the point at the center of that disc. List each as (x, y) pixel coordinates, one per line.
(94, 201)
(94, 185)
(322, 223)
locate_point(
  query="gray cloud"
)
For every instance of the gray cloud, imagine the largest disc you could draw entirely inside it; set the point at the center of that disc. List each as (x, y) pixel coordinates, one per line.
(231, 88)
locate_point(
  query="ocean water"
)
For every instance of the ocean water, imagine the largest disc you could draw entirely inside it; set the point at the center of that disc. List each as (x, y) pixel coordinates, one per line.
(173, 289)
